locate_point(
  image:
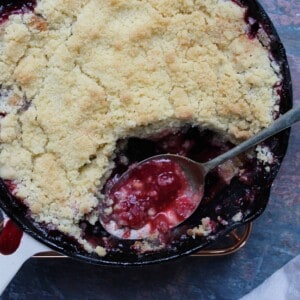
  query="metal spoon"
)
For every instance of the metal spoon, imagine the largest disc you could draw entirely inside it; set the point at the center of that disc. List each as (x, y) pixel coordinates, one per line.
(195, 172)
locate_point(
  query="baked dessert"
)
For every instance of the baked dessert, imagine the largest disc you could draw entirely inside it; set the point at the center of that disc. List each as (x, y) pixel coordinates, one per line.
(79, 78)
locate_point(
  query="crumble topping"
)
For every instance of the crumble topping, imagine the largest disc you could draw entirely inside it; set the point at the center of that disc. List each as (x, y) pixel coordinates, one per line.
(204, 229)
(77, 76)
(264, 155)
(237, 217)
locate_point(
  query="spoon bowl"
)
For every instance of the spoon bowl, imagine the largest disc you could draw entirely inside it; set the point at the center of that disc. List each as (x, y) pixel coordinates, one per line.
(190, 172)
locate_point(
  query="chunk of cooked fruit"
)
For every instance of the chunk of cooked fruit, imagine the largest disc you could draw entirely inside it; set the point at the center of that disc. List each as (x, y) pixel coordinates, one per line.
(155, 192)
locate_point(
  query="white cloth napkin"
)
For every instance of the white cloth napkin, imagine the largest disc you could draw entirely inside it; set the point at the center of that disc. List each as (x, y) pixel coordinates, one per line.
(284, 284)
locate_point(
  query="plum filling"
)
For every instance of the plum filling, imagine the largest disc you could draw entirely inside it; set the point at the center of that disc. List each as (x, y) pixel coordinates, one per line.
(156, 194)
(10, 238)
(9, 7)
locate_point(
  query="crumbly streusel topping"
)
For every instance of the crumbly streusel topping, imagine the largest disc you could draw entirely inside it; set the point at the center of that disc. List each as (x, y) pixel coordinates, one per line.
(78, 75)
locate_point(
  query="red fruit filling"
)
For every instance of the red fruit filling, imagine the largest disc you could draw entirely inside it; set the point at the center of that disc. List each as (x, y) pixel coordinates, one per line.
(156, 193)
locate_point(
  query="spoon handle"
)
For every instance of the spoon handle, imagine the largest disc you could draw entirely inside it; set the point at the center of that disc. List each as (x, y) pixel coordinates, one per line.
(283, 122)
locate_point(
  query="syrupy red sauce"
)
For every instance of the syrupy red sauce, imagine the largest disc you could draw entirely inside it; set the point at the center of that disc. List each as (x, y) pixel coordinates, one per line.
(10, 238)
(9, 7)
(156, 193)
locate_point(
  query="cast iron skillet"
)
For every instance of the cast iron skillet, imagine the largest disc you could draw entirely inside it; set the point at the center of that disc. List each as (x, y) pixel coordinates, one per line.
(232, 200)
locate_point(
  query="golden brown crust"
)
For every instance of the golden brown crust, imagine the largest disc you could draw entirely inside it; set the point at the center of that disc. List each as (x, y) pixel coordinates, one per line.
(96, 71)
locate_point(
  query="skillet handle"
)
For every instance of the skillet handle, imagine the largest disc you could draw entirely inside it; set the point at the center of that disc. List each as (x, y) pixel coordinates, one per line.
(10, 264)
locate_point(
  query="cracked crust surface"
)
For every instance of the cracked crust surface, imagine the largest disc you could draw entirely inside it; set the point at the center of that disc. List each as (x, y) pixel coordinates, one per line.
(78, 75)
